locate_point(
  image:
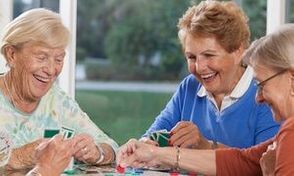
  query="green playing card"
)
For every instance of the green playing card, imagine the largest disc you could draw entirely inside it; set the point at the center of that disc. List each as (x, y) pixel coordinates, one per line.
(163, 138)
(49, 133)
(67, 132)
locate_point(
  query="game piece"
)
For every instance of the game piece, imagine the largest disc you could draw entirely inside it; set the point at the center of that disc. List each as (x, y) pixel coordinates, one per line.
(173, 173)
(120, 169)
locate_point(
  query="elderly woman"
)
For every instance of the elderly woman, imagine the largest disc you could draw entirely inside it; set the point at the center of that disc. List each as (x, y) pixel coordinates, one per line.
(34, 45)
(215, 106)
(273, 64)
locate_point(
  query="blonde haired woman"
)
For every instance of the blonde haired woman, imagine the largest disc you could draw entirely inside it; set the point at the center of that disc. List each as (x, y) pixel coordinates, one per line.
(33, 45)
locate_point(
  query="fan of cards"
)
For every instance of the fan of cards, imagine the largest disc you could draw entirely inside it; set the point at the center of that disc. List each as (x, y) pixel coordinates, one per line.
(65, 131)
(161, 137)
(5, 148)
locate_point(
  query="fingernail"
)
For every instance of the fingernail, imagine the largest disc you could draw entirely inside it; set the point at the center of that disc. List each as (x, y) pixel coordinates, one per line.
(171, 133)
(169, 142)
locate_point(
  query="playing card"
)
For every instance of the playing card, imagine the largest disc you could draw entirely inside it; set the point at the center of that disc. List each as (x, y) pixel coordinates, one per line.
(67, 132)
(49, 133)
(161, 137)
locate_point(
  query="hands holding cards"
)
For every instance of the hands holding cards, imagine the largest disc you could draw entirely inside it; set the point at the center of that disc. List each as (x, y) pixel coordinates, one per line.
(186, 134)
(85, 149)
(53, 156)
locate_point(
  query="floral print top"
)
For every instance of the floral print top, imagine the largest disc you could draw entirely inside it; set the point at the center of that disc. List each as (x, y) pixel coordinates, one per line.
(55, 110)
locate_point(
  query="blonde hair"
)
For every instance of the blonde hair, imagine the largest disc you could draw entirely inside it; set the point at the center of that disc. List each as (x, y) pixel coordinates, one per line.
(275, 50)
(36, 25)
(224, 20)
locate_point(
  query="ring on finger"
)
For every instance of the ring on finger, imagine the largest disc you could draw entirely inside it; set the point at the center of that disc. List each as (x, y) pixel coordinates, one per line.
(85, 149)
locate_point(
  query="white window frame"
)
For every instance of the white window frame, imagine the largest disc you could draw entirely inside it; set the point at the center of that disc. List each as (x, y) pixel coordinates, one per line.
(275, 14)
(6, 9)
(68, 13)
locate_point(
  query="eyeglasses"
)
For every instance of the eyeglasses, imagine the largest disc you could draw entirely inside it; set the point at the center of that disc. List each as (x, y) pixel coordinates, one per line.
(262, 83)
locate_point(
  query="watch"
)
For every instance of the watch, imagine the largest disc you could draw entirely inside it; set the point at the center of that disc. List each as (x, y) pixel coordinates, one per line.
(102, 154)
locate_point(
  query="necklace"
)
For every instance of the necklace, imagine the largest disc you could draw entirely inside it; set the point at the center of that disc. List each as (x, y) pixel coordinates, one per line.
(9, 93)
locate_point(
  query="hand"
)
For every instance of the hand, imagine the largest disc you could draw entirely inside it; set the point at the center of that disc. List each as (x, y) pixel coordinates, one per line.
(86, 149)
(125, 150)
(137, 154)
(148, 141)
(19, 161)
(268, 160)
(54, 155)
(186, 134)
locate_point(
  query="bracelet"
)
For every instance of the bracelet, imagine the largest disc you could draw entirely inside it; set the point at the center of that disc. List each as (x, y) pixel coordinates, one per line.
(102, 155)
(214, 145)
(178, 157)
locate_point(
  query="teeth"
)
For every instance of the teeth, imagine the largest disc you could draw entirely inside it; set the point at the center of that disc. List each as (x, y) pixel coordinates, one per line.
(43, 79)
(207, 75)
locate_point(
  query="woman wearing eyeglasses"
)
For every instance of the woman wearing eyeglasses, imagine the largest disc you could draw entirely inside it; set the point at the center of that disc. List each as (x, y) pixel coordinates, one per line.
(272, 60)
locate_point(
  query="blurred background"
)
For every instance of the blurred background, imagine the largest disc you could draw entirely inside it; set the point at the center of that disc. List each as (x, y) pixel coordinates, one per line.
(128, 57)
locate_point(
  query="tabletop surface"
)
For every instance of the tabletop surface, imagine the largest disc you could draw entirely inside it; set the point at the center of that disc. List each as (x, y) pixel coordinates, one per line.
(109, 170)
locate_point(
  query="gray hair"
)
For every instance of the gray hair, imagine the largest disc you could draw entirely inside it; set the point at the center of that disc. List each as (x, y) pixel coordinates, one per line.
(275, 50)
(37, 25)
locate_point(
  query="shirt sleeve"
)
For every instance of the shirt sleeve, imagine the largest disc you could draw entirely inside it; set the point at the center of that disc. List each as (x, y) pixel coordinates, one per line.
(285, 152)
(171, 114)
(73, 117)
(244, 162)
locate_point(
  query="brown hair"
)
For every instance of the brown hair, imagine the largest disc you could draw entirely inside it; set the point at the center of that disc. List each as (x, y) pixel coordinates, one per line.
(224, 20)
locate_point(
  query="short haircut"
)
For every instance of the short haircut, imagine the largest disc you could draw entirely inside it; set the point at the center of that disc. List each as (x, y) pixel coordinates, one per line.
(224, 20)
(37, 25)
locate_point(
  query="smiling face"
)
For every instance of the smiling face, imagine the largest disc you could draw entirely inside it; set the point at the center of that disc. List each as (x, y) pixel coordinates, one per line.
(275, 91)
(216, 69)
(35, 68)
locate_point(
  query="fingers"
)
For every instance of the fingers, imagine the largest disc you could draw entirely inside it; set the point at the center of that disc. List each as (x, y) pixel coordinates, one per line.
(85, 148)
(185, 134)
(143, 155)
(179, 126)
(149, 141)
(126, 150)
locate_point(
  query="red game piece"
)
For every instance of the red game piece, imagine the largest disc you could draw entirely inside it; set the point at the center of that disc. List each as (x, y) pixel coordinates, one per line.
(173, 173)
(120, 169)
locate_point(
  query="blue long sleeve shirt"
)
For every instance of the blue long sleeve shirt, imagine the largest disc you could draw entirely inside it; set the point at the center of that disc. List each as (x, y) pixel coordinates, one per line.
(243, 124)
